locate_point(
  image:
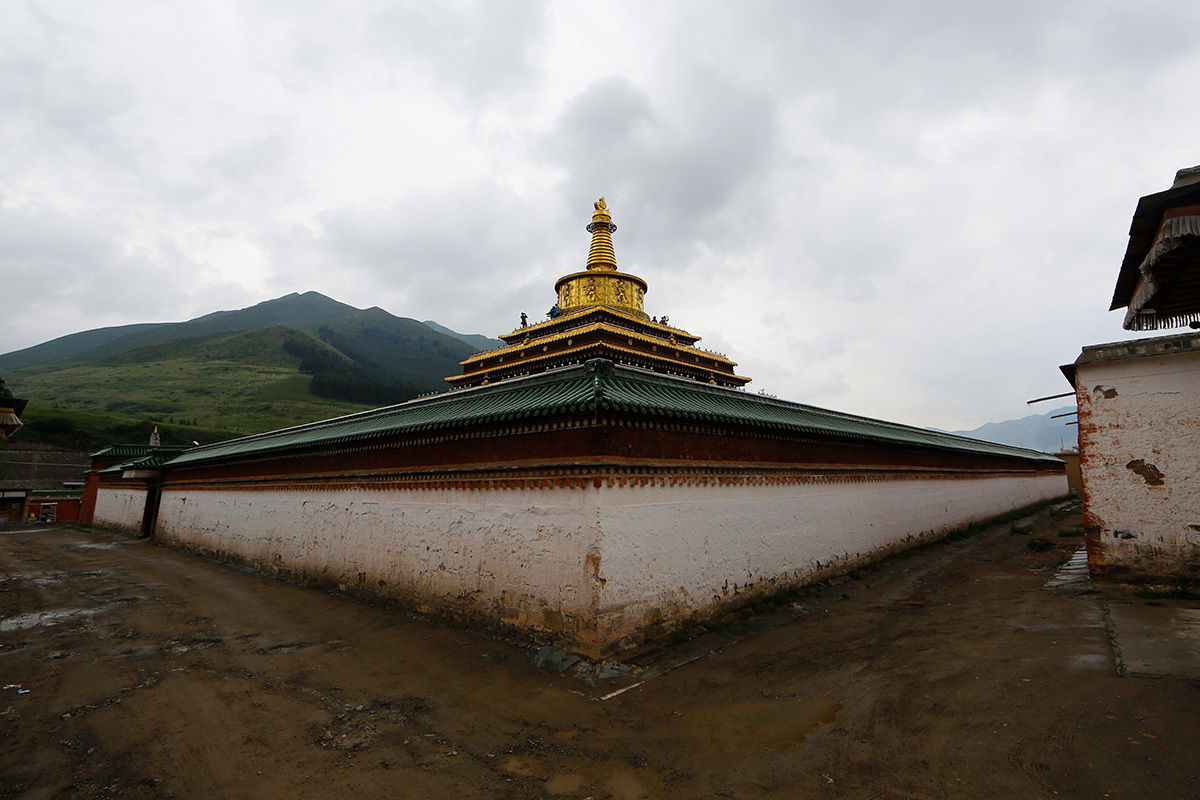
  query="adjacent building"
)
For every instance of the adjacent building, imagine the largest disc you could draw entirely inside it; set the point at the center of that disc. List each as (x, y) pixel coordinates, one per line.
(1139, 402)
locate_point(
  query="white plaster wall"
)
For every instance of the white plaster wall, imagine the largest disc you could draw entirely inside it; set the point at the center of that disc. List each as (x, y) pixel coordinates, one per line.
(685, 549)
(595, 564)
(513, 555)
(120, 508)
(1144, 409)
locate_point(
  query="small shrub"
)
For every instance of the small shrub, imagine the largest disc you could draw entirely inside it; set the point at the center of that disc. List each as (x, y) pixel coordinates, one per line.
(1065, 532)
(1020, 530)
(1038, 544)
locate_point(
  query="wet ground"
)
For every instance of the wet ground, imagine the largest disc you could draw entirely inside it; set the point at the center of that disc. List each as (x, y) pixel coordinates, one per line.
(134, 671)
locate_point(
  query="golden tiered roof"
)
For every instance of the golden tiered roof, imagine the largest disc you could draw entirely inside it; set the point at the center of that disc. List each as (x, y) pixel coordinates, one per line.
(600, 314)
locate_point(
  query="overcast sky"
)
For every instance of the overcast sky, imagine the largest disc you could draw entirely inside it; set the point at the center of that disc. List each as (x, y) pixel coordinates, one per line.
(913, 211)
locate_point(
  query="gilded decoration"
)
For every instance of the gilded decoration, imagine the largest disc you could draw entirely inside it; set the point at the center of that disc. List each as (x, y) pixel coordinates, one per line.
(599, 312)
(602, 284)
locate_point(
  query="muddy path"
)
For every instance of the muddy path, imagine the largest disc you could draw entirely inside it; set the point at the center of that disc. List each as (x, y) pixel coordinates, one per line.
(134, 671)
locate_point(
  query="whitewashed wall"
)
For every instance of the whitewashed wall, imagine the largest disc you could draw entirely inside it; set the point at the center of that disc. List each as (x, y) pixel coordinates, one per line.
(596, 564)
(1140, 455)
(120, 507)
(516, 556)
(691, 549)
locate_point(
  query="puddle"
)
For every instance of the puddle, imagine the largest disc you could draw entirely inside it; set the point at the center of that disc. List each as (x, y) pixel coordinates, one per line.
(36, 619)
(41, 579)
(623, 784)
(521, 766)
(567, 783)
(1072, 576)
(778, 724)
(96, 545)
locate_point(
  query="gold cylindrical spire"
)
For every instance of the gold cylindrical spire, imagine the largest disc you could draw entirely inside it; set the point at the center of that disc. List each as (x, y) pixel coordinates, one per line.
(601, 284)
(601, 255)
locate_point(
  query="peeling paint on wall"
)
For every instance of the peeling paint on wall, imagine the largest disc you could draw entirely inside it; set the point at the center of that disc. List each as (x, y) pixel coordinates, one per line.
(1150, 473)
(1139, 435)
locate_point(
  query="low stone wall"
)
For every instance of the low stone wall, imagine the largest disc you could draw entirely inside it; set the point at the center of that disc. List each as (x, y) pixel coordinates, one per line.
(596, 566)
(120, 507)
(1139, 436)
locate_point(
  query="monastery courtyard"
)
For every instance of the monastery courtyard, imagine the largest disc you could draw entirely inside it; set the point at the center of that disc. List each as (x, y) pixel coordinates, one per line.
(135, 671)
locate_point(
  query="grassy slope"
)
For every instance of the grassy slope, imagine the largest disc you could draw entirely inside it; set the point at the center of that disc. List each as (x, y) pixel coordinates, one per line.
(70, 345)
(305, 309)
(83, 431)
(239, 383)
(226, 373)
(408, 350)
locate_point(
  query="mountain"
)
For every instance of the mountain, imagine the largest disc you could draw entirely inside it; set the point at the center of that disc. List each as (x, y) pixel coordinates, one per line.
(476, 340)
(281, 362)
(1037, 431)
(69, 345)
(294, 309)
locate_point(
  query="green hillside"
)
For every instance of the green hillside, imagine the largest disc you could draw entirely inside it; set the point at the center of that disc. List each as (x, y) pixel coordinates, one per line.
(87, 432)
(476, 340)
(242, 382)
(305, 309)
(282, 362)
(69, 345)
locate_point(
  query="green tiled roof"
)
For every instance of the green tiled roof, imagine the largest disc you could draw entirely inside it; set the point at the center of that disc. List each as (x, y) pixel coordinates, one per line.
(596, 386)
(123, 451)
(138, 456)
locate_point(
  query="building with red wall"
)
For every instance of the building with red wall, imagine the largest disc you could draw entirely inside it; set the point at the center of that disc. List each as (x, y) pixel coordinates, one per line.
(597, 480)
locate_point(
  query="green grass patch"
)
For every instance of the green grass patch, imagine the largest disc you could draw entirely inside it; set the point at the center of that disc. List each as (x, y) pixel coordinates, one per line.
(85, 431)
(229, 396)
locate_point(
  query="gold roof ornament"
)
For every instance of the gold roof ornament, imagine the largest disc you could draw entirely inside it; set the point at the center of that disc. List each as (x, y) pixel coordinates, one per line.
(601, 284)
(599, 313)
(601, 255)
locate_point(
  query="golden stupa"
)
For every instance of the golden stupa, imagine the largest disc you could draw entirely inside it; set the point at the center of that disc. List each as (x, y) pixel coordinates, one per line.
(600, 313)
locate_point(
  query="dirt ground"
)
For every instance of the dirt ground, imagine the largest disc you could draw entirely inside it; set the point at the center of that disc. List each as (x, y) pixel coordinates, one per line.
(135, 671)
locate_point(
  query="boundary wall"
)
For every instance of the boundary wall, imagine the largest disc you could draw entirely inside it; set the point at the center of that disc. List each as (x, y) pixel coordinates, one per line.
(120, 507)
(596, 566)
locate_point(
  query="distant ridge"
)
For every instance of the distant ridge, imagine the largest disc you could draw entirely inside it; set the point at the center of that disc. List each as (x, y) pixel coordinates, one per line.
(476, 340)
(1036, 431)
(296, 358)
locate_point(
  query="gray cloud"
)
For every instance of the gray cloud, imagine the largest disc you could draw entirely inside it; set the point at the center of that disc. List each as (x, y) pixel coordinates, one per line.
(913, 212)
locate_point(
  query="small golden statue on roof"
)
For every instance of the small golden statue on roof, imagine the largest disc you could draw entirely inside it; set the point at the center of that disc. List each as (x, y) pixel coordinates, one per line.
(600, 205)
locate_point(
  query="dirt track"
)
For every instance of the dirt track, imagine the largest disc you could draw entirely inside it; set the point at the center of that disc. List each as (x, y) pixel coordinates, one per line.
(950, 673)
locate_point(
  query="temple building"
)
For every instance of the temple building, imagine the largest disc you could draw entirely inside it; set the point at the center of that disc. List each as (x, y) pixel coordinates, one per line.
(1139, 402)
(11, 408)
(599, 314)
(597, 481)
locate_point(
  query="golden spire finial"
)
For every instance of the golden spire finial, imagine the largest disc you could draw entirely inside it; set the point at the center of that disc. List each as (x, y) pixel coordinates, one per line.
(601, 255)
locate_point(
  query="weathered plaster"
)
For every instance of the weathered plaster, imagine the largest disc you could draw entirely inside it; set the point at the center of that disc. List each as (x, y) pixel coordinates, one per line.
(595, 565)
(1139, 435)
(120, 507)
